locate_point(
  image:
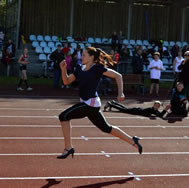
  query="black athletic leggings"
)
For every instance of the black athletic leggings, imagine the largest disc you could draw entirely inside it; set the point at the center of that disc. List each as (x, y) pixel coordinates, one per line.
(82, 110)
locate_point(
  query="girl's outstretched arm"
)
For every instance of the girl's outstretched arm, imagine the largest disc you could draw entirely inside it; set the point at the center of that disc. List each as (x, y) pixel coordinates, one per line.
(67, 79)
(118, 77)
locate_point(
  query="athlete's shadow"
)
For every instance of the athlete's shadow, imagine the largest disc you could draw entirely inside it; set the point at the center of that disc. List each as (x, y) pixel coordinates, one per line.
(50, 183)
(103, 184)
(172, 118)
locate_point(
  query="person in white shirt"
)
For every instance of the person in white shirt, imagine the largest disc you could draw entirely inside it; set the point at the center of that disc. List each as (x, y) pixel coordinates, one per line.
(177, 61)
(156, 66)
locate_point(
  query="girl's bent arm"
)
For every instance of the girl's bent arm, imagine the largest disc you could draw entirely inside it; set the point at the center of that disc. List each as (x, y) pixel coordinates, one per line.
(67, 79)
(118, 77)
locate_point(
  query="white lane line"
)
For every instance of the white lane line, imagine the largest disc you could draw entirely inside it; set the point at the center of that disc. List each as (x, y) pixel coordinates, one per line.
(131, 173)
(91, 138)
(83, 137)
(33, 109)
(95, 154)
(104, 153)
(96, 177)
(91, 126)
(107, 117)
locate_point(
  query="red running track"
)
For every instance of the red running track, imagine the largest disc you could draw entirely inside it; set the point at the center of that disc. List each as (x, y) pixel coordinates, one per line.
(31, 138)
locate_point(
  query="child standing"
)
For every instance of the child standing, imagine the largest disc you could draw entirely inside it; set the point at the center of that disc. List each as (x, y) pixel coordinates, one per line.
(156, 66)
(23, 61)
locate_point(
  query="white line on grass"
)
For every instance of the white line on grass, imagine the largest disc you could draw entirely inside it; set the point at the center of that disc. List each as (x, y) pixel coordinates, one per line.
(96, 177)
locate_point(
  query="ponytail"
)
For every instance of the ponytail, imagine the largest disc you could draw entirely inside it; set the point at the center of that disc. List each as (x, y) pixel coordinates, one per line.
(100, 57)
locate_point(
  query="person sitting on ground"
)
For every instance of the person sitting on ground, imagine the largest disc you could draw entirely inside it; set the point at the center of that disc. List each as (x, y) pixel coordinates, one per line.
(154, 110)
(179, 100)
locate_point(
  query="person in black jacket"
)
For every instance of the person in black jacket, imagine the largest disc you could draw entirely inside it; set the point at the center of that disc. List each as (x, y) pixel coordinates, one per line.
(183, 75)
(57, 56)
(178, 100)
(154, 110)
(10, 45)
(137, 62)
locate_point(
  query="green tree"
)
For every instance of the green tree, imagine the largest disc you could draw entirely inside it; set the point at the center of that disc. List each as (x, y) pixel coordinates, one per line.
(2, 13)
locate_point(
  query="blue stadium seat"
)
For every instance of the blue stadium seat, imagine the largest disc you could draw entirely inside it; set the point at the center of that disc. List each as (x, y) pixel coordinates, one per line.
(38, 50)
(58, 43)
(98, 41)
(54, 38)
(47, 50)
(179, 44)
(70, 39)
(132, 42)
(72, 50)
(171, 43)
(88, 45)
(91, 40)
(139, 42)
(42, 57)
(40, 38)
(32, 38)
(50, 44)
(165, 61)
(165, 43)
(47, 38)
(125, 42)
(43, 44)
(82, 45)
(74, 45)
(35, 44)
(145, 42)
(105, 41)
(184, 44)
(53, 49)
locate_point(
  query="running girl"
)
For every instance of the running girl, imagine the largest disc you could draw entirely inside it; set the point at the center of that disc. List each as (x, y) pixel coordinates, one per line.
(88, 75)
(23, 61)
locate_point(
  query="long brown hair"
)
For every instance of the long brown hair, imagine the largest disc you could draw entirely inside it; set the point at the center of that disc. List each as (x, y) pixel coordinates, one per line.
(100, 57)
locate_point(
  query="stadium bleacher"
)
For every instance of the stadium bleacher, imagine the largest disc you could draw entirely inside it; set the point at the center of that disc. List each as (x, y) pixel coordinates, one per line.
(45, 45)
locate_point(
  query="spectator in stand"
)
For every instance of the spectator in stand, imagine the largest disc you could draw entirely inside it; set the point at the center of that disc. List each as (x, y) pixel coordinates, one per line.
(183, 75)
(11, 47)
(184, 49)
(137, 62)
(24, 61)
(7, 60)
(65, 49)
(145, 57)
(68, 59)
(174, 51)
(178, 100)
(114, 40)
(156, 66)
(120, 41)
(78, 52)
(177, 61)
(124, 55)
(57, 56)
(1, 40)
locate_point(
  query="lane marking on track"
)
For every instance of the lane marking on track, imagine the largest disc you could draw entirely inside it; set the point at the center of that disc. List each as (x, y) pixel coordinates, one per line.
(137, 178)
(33, 109)
(95, 154)
(107, 117)
(96, 177)
(91, 138)
(91, 126)
(83, 137)
(104, 153)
